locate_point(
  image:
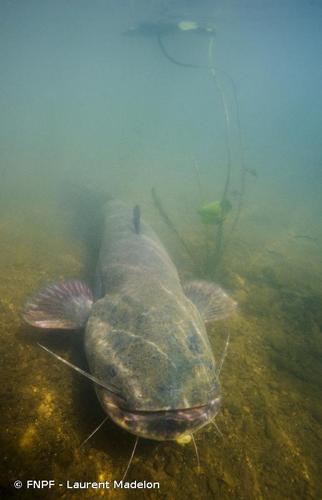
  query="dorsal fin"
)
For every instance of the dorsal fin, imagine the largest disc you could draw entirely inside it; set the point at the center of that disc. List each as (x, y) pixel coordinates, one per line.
(136, 219)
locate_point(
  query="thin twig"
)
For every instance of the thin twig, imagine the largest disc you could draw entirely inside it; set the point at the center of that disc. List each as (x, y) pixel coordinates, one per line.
(170, 224)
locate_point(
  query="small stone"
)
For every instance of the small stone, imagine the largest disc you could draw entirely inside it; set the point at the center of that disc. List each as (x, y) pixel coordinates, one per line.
(229, 480)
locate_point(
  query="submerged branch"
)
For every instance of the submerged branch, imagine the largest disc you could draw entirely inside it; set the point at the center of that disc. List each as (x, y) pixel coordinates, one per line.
(170, 224)
(218, 252)
(220, 228)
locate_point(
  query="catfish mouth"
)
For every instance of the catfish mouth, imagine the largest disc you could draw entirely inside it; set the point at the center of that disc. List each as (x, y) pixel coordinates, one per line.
(163, 425)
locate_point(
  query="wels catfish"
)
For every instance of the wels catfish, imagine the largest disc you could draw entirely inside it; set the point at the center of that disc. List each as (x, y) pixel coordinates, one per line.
(145, 337)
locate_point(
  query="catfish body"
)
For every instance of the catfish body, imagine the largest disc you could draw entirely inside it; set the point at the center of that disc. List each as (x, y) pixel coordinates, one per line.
(144, 336)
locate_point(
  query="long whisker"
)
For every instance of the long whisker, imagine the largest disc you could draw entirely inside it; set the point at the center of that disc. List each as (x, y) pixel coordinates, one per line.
(112, 390)
(217, 429)
(131, 458)
(223, 356)
(94, 431)
(196, 450)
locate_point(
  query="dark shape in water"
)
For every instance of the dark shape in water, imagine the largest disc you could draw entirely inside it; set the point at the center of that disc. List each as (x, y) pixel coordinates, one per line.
(251, 171)
(306, 237)
(162, 28)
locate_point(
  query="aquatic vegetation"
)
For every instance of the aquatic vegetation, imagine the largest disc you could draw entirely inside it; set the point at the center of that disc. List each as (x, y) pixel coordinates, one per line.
(215, 212)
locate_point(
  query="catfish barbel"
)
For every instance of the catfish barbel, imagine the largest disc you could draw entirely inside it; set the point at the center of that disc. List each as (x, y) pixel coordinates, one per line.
(146, 343)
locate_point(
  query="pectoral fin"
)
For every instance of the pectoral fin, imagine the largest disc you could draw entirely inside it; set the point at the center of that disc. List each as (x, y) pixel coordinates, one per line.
(65, 305)
(211, 300)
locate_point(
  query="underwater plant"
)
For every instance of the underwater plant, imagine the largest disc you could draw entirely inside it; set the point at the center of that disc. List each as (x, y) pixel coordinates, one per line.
(215, 213)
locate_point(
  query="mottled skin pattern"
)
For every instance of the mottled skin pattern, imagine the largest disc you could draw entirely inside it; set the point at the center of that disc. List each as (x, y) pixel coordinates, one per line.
(146, 337)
